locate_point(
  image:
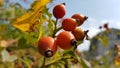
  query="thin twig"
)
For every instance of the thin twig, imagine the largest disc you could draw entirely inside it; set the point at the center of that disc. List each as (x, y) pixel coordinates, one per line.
(54, 32)
(43, 65)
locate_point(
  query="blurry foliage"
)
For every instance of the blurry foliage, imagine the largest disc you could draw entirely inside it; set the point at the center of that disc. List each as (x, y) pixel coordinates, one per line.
(104, 51)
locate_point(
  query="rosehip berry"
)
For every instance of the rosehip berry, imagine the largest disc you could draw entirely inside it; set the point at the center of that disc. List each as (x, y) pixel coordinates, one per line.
(79, 34)
(80, 18)
(47, 46)
(69, 24)
(106, 26)
(59, 11)
(65, 40)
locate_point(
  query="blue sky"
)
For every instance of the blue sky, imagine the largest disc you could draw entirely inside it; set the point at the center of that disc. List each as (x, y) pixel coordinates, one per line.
(98, 11)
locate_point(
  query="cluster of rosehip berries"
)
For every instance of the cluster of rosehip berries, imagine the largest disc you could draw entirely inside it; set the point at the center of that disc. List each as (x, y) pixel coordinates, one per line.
(105, 26)
(65, 39)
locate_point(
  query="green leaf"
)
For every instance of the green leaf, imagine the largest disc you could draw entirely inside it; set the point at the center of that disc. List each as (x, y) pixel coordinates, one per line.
(51, 26)
(22, 43)
(47, 13)
(79, 42)
(84, 63)
(69, 53)
(118, 33)
(104, 40)
(1, 49)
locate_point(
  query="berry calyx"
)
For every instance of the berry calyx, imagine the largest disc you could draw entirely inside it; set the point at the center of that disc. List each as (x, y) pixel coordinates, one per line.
(86, 34)
(74, 43)
(49, 53)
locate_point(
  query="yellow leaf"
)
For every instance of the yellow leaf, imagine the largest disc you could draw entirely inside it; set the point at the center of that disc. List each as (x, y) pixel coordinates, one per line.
(25, 21)
(1, 2)
(24, 27)
(40, 32)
